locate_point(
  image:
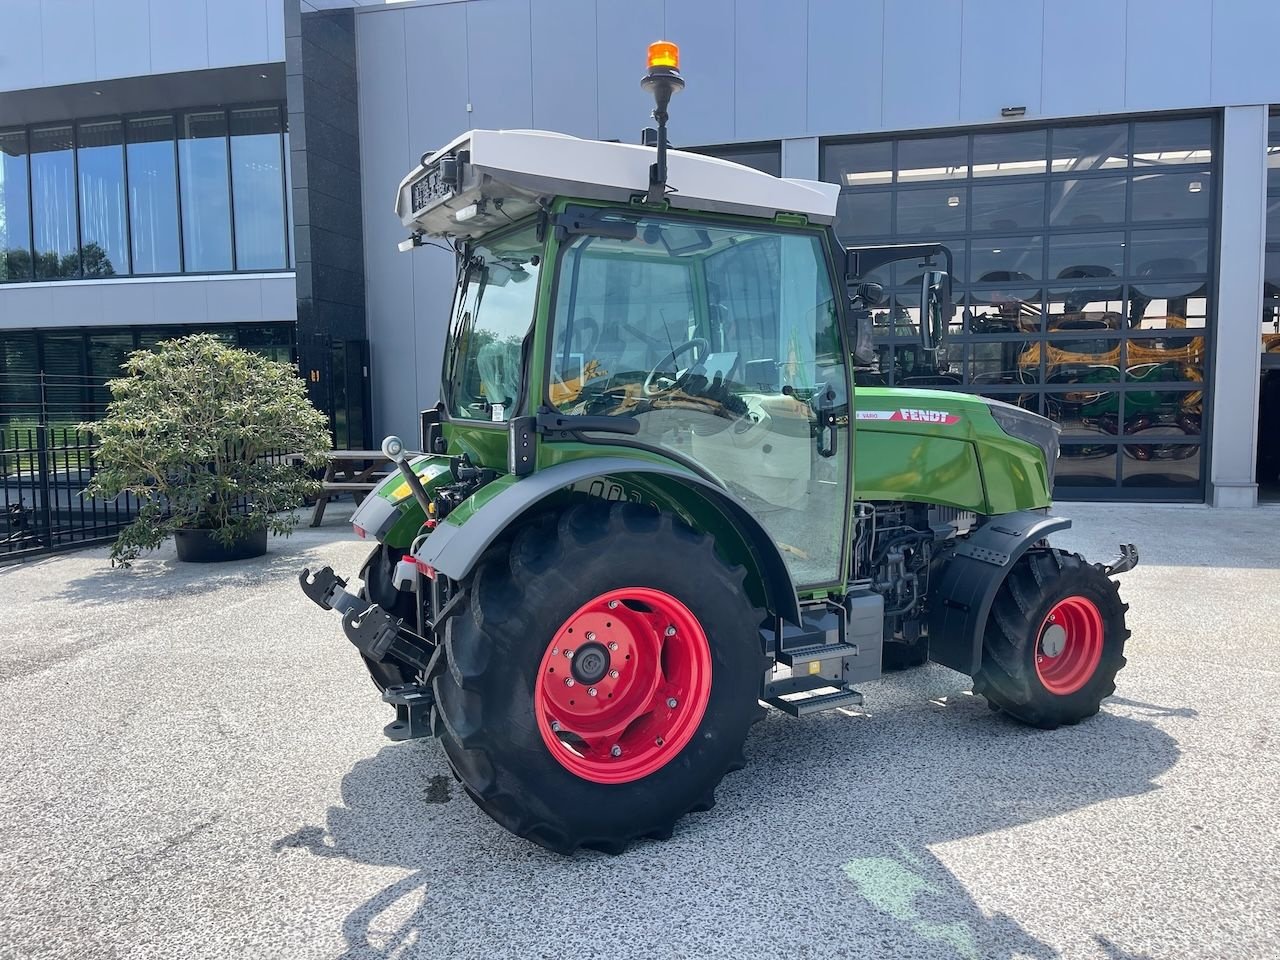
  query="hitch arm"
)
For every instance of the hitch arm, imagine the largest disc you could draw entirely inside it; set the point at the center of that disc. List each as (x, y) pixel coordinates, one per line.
(1127, 560)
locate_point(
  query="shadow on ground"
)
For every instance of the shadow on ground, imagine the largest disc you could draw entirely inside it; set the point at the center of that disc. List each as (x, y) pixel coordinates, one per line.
(829, 828)
(161, 576)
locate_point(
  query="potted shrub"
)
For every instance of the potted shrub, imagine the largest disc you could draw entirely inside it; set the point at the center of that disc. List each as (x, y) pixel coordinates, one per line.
(213, 442)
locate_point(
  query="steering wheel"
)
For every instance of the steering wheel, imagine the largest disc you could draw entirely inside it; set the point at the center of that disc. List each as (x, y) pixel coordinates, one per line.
(649, 387)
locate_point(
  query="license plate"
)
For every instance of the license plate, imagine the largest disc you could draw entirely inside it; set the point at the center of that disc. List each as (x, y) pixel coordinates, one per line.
(427, 189)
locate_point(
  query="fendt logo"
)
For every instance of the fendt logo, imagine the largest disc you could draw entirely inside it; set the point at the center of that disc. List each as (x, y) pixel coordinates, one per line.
(909, 415)
(925, 416)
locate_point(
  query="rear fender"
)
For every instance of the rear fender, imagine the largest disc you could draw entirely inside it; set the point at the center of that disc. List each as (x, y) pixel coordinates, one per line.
(961, 601)
(456, 545)
(390, 514)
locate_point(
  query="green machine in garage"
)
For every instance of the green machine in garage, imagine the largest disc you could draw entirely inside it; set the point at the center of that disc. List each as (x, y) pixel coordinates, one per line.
(651, 500)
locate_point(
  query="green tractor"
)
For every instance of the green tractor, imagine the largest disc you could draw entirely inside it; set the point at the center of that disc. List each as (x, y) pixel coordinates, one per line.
(652, 505)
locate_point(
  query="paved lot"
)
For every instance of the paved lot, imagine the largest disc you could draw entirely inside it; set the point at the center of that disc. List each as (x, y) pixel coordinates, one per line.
(193, 767)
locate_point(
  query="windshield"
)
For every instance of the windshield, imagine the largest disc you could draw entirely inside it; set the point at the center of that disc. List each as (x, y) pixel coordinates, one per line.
(492, 315)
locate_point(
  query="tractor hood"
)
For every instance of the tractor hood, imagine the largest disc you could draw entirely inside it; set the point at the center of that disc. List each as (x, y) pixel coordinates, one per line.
(957, 449)
(487, 178)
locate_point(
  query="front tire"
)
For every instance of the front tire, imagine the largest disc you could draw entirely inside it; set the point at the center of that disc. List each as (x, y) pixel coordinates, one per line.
(666, 668)
(1054, 640)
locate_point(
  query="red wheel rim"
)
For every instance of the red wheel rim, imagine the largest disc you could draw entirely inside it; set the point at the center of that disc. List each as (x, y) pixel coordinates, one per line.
(1069, 645)
(647, 659)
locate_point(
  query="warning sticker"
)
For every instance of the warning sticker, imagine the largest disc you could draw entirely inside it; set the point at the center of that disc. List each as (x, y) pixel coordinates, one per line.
(909, 415)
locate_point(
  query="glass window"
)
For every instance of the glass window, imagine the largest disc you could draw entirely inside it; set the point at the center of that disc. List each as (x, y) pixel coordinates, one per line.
(1082, 203)
(933, 211)
(1166, 253)
(107, 352)
(937, 158)
(153, 195)
(1100, 147)
(257, 182)
(1085, 306)
(1172, 196)
(104, 248)
(206, 214)
(1004, 361)
(858, 164)
(1167, 306)
(721, 342)
(53, 190)
(1165, 359)
(1004, 311)
(1006, 259)
(492, 314)
(1163, 465)
(1162, 142)
(864, 214)
(1077, 256)
(15, 215)
(1008, 154)
(1008, 206)
(1086, 465)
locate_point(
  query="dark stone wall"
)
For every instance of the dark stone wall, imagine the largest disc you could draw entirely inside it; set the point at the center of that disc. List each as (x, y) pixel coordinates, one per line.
(324, 141)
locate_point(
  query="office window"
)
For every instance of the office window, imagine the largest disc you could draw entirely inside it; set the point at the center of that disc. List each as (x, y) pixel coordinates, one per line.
(153, 195)
(104, 247)
(206, 192)
(257, 176)
(53, 195)
(1082, 262)
(15, 214)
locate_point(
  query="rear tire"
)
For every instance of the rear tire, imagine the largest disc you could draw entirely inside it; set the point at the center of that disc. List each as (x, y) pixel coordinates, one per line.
(1054, 641)
(633, 570)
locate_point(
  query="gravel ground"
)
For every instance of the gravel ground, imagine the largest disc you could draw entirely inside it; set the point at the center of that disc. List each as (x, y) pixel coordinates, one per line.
(194, 767)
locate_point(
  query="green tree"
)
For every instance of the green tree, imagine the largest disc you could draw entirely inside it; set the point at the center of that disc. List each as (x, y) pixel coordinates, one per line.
(188, 431)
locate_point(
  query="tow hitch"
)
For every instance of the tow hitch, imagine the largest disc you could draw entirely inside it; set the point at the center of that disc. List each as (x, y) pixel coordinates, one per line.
(1127, 560)
(373, 631)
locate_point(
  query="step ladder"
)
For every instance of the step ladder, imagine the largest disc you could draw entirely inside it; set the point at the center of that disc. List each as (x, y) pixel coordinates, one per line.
(816, 682)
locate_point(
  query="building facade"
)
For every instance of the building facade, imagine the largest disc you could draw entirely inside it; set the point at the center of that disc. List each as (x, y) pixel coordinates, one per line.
(1107, 175)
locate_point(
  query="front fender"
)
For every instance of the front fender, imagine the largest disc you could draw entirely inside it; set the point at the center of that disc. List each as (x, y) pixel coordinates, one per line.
(961, 602)
(455, 546)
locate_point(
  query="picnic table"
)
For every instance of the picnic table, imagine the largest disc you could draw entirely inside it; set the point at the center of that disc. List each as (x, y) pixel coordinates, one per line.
(355, 472)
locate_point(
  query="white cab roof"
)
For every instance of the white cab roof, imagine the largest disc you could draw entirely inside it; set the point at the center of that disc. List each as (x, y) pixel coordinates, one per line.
(511, 170)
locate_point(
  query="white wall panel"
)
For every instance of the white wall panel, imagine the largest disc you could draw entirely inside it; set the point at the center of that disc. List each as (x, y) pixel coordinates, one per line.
(1167, 54)
(21, 51)
(1084, 49)
(231, 300)
(1000, 64)
(179, 37)
(385, 156)
(237, 31)
(704, 112)
(767, 49)
(921, 63)
(1245, 65)
(845, 65)
(436, 88)
(68, 41)
(122, 38)
(181, 301)
(500, 70)
(564, 66)
(623, 33)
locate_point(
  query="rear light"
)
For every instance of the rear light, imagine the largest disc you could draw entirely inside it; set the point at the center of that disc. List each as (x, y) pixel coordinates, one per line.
(425, 569)
(360, 532)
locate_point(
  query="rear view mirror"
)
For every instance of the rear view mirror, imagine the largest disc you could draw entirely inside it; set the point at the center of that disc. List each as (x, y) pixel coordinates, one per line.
(936, 308)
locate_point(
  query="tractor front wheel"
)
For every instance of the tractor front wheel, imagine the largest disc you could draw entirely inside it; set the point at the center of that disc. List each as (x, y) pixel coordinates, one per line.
(601, 678)
(1054, 641)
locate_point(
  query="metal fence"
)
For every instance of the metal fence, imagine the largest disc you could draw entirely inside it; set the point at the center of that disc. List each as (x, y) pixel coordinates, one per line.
(43, 471)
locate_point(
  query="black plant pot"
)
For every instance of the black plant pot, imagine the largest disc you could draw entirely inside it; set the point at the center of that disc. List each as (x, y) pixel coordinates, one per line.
(200, 546)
